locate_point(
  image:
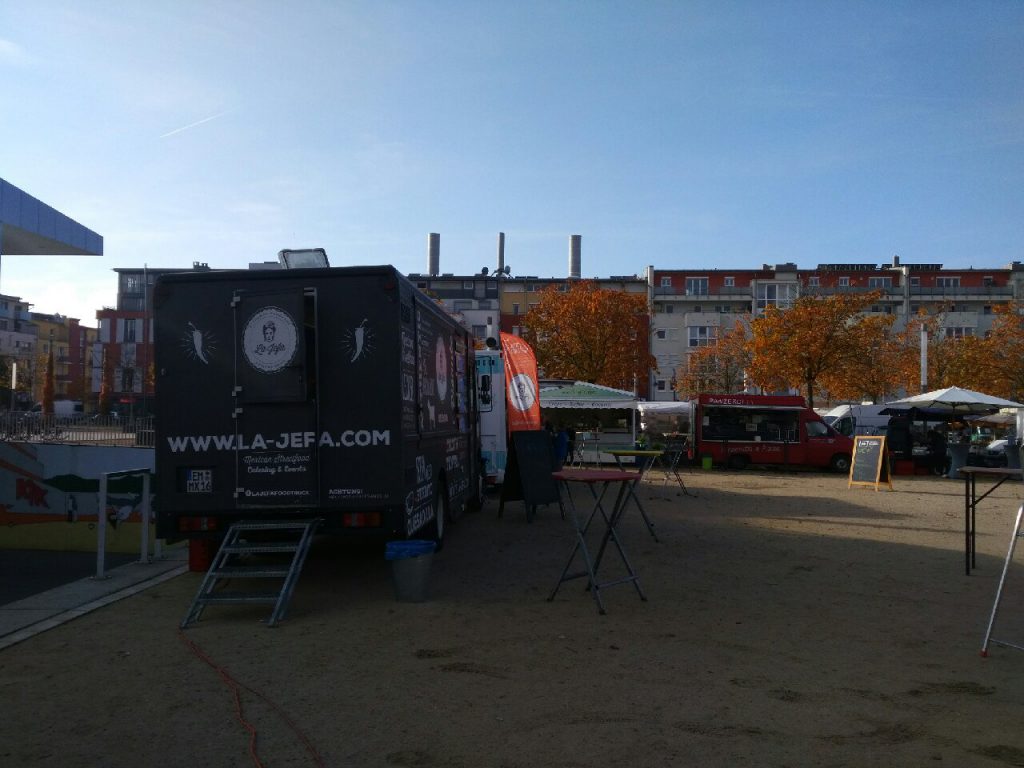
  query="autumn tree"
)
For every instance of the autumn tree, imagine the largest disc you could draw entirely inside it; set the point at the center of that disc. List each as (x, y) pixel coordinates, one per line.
(720, 366)
(48, 384)
(591, 334)
(796, 347)
(106, 384)
(877, 371)
(960, 361)
(1004, 364)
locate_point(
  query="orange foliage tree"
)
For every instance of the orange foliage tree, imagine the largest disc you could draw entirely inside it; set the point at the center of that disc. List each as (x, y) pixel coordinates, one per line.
(877, 371)
(106, 384)
(718, 367)
(1005, 353)
(591, 334)
(814, 338)
(968, 361)
(48, 384)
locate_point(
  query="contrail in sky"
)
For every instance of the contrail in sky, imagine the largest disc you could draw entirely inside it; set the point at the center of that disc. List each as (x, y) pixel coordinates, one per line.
(193, 125)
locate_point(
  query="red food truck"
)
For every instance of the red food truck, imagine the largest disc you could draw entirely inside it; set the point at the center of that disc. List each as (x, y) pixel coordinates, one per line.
(737, 430)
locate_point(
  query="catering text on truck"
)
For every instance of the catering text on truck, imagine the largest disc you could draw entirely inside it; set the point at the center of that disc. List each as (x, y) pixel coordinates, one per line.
(741, 429)
(340, 393)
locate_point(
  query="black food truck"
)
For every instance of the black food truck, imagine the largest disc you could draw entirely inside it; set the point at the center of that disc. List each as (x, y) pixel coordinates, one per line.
(342, 393)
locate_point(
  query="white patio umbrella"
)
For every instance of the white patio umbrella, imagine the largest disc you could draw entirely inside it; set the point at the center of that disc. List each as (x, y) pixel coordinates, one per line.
(955, 400)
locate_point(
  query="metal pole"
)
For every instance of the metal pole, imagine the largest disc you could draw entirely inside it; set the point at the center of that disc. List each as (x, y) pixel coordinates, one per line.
(924, 359)
(144, 548)
(101, 529)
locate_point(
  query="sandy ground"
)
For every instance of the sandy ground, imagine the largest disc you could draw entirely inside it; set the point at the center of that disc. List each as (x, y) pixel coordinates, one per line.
(791, 621)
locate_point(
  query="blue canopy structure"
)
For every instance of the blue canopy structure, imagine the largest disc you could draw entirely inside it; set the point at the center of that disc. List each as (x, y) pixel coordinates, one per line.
(29, 227)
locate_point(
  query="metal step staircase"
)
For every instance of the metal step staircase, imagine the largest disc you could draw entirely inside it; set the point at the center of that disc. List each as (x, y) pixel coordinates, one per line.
(250, 541)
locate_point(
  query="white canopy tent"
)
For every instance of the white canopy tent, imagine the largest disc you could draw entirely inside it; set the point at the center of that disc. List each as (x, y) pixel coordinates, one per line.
(580, 395)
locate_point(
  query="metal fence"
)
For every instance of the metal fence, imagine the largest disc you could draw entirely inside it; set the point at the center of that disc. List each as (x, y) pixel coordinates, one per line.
(76, 430)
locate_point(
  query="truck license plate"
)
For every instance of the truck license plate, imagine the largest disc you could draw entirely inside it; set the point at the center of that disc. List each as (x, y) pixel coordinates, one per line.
(199, 481)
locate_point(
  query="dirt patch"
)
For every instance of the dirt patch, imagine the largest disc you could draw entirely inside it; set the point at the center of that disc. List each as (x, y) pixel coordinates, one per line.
(790, 620)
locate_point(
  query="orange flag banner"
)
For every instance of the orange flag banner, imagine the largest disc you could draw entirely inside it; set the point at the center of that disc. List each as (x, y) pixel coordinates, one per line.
(521, 385)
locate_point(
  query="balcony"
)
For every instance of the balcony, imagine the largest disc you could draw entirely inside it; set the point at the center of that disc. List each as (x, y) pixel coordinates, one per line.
(727, 291)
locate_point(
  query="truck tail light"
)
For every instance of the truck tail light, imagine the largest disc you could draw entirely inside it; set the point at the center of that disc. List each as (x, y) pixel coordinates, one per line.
(361, 519)
(186, 524)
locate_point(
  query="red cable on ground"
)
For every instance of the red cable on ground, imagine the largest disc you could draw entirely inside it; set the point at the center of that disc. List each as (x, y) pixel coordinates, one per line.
(235, 687)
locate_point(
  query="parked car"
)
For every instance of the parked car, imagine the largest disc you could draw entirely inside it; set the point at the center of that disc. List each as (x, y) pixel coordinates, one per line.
(995, 454)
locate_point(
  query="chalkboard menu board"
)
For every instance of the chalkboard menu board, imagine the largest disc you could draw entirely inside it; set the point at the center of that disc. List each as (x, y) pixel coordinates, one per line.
(531, 460)
(870, 464)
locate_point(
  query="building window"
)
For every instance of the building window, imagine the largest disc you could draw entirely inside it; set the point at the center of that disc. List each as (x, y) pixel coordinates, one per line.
(696, 286)
(515, 309)
(468, 285)
(779, 295)
(480, 331)
(844, 282)
(660, 384)
(958, 332)
(129, 329)
(947, 282)
(660, 333)
(669, 309)
(730, 282)
(701, 335)
(915, 281)
(988, 281)
(131, 283)
(3, 325)
(666, 282)
(463, 304)
(986, 310)
(879, 282)
(813, 281)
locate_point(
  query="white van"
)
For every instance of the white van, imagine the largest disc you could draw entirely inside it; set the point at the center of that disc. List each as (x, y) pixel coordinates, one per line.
(857, 419)
(61, 408)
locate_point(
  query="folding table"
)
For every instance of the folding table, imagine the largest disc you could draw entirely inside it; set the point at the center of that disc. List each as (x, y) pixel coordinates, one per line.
(647, 459)
(1016, 534)
(669, 461)
(971, 499)
(605, 478)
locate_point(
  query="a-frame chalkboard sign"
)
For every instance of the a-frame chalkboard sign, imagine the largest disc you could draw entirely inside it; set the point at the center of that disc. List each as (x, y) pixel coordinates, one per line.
(870, 464)
(531, 460)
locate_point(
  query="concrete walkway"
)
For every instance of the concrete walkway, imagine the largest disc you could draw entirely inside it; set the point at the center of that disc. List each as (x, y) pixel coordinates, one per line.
(25, 618)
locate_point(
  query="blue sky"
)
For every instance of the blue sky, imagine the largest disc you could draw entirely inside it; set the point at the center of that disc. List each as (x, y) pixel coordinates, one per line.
(678, 134)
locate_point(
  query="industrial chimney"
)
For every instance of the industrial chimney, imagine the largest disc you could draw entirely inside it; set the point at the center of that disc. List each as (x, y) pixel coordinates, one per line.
(433, 254)
(574, 256)
(501, 251)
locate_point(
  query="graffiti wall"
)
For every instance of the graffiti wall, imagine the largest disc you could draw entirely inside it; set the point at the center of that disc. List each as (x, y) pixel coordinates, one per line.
(49, 496)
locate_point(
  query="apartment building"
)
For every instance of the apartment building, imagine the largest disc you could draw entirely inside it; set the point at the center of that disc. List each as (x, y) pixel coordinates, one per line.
(691, 307)
(66, 337)
(124, 340)
(18, 344)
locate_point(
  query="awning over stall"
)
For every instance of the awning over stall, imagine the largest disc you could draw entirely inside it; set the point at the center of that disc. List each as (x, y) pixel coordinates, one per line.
(582, 394)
